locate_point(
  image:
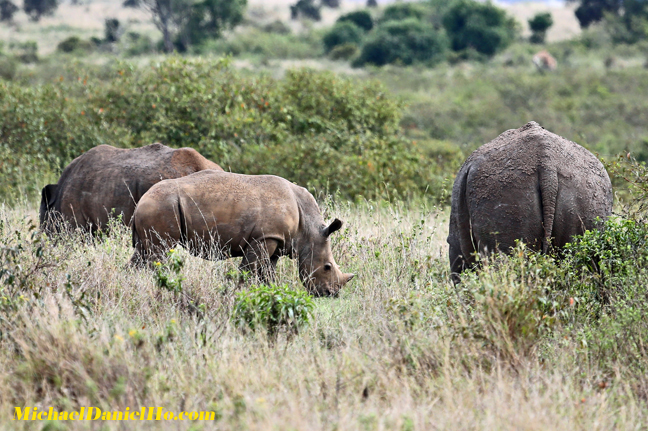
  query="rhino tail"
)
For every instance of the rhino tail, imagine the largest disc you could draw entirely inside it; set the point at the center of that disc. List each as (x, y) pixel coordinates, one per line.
(461, 239)
(548, 179)
(48, 200)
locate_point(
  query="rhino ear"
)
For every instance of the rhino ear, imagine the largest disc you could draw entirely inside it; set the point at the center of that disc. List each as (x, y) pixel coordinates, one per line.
(335, 225)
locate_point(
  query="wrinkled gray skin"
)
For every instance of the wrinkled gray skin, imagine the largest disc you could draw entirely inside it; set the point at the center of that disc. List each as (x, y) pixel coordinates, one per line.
(527, 184)
(218, 215)
(107, 180)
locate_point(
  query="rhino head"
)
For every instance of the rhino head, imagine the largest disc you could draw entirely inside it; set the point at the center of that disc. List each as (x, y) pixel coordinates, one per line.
(317, 268)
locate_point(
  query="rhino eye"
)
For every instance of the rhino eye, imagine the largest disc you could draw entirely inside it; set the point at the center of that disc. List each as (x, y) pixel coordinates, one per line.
(327, 267)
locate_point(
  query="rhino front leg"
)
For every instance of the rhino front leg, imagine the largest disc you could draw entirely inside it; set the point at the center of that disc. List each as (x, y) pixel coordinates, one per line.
(260, 260)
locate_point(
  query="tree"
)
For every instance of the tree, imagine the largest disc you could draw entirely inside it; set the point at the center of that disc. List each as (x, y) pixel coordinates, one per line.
(539, 25)
(307, 9)
(361, 18)
(37, 8)
(208, 19)
(406, 42)
(591, 11)
(342, 33)
(482, 27)
(372, 3)
(7, 10)
(189, 22)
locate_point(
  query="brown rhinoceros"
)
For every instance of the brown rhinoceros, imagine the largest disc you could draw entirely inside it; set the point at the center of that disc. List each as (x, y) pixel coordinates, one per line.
(258, 217)
(527, 184)
(109, 181)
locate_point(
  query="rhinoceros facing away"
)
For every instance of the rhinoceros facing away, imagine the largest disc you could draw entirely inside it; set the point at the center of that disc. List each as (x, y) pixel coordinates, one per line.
(259, 217)
(108, 180)
(527, 184)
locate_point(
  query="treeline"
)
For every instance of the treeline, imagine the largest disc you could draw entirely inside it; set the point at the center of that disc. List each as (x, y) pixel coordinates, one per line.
(322, 131)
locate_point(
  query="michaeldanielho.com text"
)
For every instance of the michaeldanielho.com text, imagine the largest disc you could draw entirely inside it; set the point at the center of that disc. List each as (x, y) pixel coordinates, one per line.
(96, 414)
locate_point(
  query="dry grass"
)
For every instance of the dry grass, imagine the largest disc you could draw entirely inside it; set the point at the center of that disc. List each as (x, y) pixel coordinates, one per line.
(361, 365)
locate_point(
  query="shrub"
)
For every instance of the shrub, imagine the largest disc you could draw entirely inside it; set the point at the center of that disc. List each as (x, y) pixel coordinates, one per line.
(342, 33)
(137, 44)
(617, 250)
(344, 52)
(112, 30)
(403, 11)
(481, 26)
(274, 309)
(254, 124)
(361, 18)
(278, 27)
(37, 8)
(405, 42)
(167, 274)
(74, 44)
(8, 68)
(306, 9)
(7, 10)
(539, 25)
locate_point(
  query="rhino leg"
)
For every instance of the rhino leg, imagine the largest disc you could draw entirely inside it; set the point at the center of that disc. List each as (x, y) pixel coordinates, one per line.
(260, 260)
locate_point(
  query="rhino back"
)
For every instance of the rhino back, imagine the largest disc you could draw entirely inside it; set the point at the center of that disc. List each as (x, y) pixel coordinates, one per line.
(107, 178)
(231, 209)
(527, 180)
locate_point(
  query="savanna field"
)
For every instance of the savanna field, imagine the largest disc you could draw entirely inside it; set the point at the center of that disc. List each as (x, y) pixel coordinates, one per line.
(527, 341)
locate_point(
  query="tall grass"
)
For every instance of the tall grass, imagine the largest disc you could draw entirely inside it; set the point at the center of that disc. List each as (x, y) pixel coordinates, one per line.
(401, 348)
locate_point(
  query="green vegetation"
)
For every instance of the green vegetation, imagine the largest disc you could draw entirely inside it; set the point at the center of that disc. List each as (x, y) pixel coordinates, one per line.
(314, 128)
(403, 42)
(343, 33)
(274, 308)
(539, 25)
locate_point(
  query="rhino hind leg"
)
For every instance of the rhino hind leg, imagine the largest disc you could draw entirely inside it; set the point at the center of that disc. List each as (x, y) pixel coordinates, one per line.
(260, 260)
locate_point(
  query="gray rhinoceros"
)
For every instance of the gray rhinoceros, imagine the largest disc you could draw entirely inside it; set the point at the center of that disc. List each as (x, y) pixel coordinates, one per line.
(258, 217)
(527, 184)
(107, 181)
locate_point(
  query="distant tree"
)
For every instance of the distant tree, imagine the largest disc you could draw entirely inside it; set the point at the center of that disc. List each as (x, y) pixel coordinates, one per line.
(208, 19)
(401, 11)
(591, 11)
(131, 3)
(112, 30)
(38, 8)
(372, 3)
(7, 10)
(405, 42)
(306, 9)
(187, 22)
(342, 33)
(539, 25)
(361, 18)
(333, 4)
(482, 27)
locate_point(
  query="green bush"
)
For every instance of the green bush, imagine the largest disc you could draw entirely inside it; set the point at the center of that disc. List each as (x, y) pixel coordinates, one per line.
(344, 52)
(74, 44)
(404, 42)
(361, 18)
(539, 25)
(319, 130)
(167, 274)
(617, 250)
(403, 11)
(342, 33)
(274, 309)
(137, 44)
(481, 26)
(8, 68)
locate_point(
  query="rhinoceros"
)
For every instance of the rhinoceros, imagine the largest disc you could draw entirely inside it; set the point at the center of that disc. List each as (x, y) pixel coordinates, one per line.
(527, 184)
(107, 181)
(218, 215)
